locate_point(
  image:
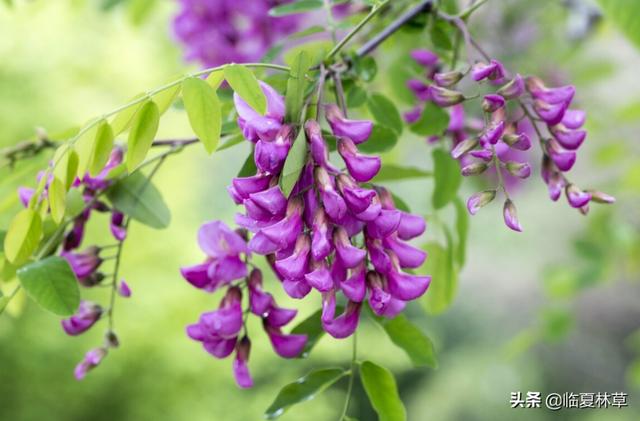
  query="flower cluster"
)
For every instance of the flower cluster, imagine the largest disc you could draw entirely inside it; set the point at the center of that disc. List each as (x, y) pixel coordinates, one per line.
(215, 32)
(86, 264)
(336, 233)
(507, 130)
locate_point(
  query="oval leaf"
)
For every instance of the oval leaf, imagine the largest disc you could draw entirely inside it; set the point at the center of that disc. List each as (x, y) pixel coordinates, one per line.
(23, 236)
(447, 178)
(138, 198)
(84, 149)
(411, 339)
(102, 147)
(66, 165)
(165, 98)
(303, 389)
(203, 109)
(391, 172)
(312, 327)
(444, 280)
(296, 86)
(382, 391)
(57, 198)
(382, 139)
(143, 130)
(245, 84)
(300, 6)
(294, 164)
(433, 121)
(462, 230)
(385, 112)
(122, 121)
(52, 284)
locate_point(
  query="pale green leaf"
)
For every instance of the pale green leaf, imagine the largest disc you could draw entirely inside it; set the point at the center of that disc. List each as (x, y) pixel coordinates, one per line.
(143, 130)
(52, 284)
(625, 14)
(296, 86)
(392, 172)
(294, 164)
(165, 98)
(138, 198)
(123, 120)
(385, 113)
(382, 391)
(411, 339)
(57, 198)
(245, 84)
(300, 6)
(23, 236)
(447, 178)
(444, 280)
(101, 150)
(203, 109)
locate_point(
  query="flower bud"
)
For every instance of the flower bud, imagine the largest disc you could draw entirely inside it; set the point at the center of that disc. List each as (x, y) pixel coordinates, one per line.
(511, 216)
(475, 168)
(601, 197)
(111, 339)
(518, 141)
(493, 71)
(356, 130)
(576, 197)
(492, 133)
(518, 169)
(424, 57)
(447, 79)
(124, 290)
(444, 97)
(492, 102)
(573, 119)
(480, 199)
(464, 147)
(240, 368)
(569, 139)
(513, 89)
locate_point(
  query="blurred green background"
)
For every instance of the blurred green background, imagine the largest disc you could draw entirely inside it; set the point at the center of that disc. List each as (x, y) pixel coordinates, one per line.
(553, 309)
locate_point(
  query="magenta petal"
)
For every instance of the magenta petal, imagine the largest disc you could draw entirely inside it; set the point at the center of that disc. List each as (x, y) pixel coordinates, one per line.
(241, 373)
(379, 258)
(574, 119)
(355, 288)
(385, 224)
(408, 256)
(25, 194)
(279, 317)
(358, 199)
(218, 240)
(261, 244)
(356, 130)
(320, 278)
(245, 186)
(227, 269)
(424, 57)
(349, 255)
(295, 266)
(285, 231)
(411, 226)
(321, 245)
(576, 197)
(287, 346)
(220, 348)
(552, 114)
(225, 322)
(334, 204)
(298, 288)
(406, 286)
(563, 159)
(345, 324)
(569, 139)
(511, 216)
(361, 167)
(87, 315)
(272, 200)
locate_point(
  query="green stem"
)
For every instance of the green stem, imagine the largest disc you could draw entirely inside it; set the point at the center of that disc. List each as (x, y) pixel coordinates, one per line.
(335, 50)
(496, 163)
(468, 11)
(352, 375)
(330, 21)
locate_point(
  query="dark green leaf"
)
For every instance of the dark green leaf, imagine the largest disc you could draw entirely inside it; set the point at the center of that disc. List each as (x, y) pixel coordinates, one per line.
(296, 86)
(462, 230)
(392, 172)
(143, 130)
(300, 6)
(203, 109)
(304, 389)
(439, 38)
(249, 167)
(433, 121)
(356, 96)
(382, 139)
(444, 281)
(400, 204)
(366, 68)
(138, 198)
(412, 340)
(382, 391)
(385, 112)
(294, 164)
(51, 283)
(447, 178)
(625, 15)
(245, 84)
(23, 236)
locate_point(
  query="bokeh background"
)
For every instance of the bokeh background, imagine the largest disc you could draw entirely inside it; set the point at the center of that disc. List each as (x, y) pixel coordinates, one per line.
(554, 309)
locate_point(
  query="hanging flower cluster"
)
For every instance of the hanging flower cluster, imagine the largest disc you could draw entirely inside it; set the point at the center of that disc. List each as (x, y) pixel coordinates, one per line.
(215, 32)
(507, 129)
(335, 233)
(86, 264)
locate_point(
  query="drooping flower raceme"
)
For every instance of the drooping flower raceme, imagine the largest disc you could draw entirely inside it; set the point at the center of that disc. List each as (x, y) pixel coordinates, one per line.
(501, 142)
(335, 233)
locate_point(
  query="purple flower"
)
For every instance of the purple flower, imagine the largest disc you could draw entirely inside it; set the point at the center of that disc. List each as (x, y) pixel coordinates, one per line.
(576, 197)
(25, 194)
(286, 346)
(255, 126)
(295, 266)
(321, 244)
(424, 57)
(568, 139)
(124, 290)
(83, 264)
(318, 146)
(574, 119)
(480, 199)
(511, 216)
(361, 167)
(405, 286)
(492, 71)
(492, 102)
(91, 360)
(492, 133)
(349, 255)
(224, 264)
(87, 315)
(271, 154)
(344, 325)
(118, 229)
(447, 79)
(240, 368)
(513, 89)
(356, 130)
(444, 97)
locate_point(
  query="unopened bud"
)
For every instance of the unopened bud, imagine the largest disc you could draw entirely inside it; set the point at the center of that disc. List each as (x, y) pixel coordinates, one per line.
(464, 147)
(480, 199)
(444, 97)
(576, 197)
(518, 169)
(518, 141)
(513, 89)
(492, 103)
(447, 79)
(474, 168)
(601, 197)
(511, 216)
(111, 339)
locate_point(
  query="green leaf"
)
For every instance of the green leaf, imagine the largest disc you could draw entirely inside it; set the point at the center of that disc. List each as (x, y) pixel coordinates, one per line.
(366, 68)
(3, 234)
(296, 86)
(625, 15)
(203, 110)
(303, 389)
(315, 29)
(66, 166)
(312, 327)
(3, 303)
(439, 37)
(215, 79)
(83, 147)
(400, 204)
(444, 282)
(57, 198)
(51, 283)
(392, 172)
(382, 391)
(356, 96)
(165, 98)
(385, 112)
(102, 147)
(382, 139)
(447, 178)
(23, 236)
(300, 6)
(143, 130)
(138, 198)
(294, 164)
(249, 167)
(123, 120)
(433, 121)
(462, 230)
(412, 340)
(245, 84)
